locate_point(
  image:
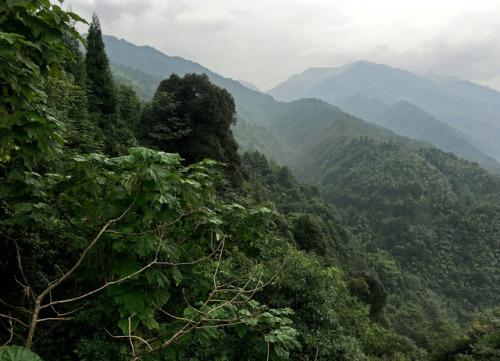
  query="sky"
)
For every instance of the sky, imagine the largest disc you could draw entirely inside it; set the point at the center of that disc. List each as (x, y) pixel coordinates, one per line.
(264, 42)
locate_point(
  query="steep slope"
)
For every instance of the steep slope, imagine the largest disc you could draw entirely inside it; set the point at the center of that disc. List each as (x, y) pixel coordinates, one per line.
(473, 110)
(407, 119)
(306, 120)
(436, 214)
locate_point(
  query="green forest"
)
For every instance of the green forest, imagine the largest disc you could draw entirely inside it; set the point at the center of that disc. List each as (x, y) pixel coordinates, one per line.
(136, 226)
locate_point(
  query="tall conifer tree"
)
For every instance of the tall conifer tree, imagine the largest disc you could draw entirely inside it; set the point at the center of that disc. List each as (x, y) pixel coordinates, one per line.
(102, 94)
(101, 88)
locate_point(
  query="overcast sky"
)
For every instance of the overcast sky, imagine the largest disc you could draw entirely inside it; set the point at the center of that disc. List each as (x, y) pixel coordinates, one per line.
(266, 41)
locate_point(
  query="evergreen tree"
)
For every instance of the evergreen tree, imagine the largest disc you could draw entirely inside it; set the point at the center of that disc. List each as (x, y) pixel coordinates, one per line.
(102, 94)
(159, 123)
(81, 133)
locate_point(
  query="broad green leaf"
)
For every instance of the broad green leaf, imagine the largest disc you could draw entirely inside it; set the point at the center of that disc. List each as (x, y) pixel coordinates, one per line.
(125, 327)
(127, 267)
(151, 323)
(281, 352)
(158, 298)
(133, 302)
(213, 332)
(189, 313)
(116, 289)
(18, 353)
(157, 277)
(177, 276)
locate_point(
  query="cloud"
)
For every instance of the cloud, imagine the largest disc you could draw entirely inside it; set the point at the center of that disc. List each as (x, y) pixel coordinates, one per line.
(265, 42)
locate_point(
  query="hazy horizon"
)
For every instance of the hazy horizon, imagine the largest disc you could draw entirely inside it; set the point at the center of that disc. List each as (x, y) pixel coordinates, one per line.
(266, 42)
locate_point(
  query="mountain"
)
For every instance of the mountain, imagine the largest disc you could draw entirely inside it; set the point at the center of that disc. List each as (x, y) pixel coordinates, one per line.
(133, 61)
(422, 206)
(303, 121)
(409, 120)
(472, 109)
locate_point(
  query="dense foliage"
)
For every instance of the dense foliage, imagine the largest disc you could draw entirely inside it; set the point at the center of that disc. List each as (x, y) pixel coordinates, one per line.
(192, 116)
(30, 46)
(113, 250)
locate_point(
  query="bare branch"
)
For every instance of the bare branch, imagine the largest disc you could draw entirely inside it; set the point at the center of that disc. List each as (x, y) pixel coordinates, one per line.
(11, 331)
(218, 264)
(107, 284)
(38, 302)
(68, 219)
(26, 288)
(10, 318)
(56, 283)
(190, 234)
(172, 316)
(193, 262)
(130, 334)
(154, 230)
(59, 314)
(146, 342)
(55, 319)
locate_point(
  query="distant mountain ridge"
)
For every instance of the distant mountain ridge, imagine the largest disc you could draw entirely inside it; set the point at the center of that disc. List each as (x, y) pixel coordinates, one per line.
(472, 109)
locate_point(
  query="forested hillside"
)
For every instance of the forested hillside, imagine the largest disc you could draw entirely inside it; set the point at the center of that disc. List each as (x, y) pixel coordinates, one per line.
(407, 119)
(135, 230)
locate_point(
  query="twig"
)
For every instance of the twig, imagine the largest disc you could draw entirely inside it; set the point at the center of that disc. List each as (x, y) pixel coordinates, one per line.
(11, 331)
(10, 318)
(130, 336)
(20, 266)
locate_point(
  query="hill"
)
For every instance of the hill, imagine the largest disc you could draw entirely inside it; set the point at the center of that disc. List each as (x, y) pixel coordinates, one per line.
(409, 120)
(432, 211)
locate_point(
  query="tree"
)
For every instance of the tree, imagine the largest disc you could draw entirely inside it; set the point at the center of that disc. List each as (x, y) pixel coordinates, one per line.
(205, 112)
(102, 98)
(146, 229)
(81, 133)
(31, 47)
(150, 233)
(129, 106)
(102, 95)
(160, 124)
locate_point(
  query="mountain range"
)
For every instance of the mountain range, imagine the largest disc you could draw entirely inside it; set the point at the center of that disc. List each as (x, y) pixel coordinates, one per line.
(368, 90)
(439, 111)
